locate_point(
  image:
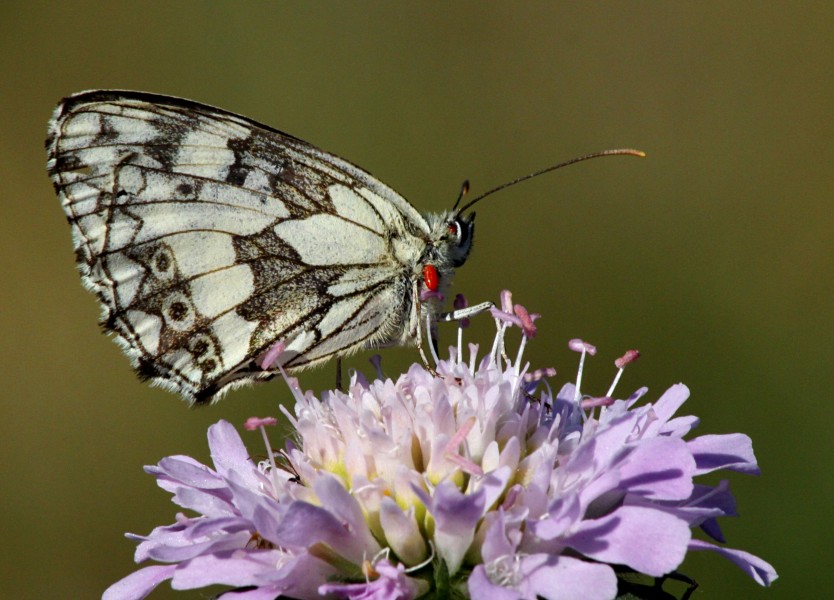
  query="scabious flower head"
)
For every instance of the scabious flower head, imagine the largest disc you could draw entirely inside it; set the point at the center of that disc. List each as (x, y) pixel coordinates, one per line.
(474, 481)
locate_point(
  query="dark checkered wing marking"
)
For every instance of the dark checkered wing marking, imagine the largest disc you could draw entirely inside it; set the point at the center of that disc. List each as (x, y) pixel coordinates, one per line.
(209, 237)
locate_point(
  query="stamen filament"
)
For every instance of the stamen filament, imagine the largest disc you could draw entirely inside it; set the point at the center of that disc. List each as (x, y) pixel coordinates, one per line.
(499, 340)
(577, 395)
(520, 352)
(460, 344)
(619, 374)
(434, 356)
(269, 451)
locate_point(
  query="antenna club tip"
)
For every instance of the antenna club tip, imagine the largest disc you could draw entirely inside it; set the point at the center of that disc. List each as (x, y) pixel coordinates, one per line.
(628, 151)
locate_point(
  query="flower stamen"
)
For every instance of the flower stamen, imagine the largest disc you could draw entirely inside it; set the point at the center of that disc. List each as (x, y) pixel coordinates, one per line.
(459, 304)
(578, 345)
(253, 423)
(629, 357)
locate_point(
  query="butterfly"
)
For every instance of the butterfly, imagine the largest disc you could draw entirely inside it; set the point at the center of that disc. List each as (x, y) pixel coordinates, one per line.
(223, 250)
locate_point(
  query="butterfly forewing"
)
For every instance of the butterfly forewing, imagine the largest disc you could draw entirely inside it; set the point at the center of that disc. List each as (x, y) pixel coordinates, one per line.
(209, 237)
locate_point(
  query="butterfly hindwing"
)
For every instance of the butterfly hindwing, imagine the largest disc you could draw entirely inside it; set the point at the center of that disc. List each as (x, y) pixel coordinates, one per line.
(208, 238)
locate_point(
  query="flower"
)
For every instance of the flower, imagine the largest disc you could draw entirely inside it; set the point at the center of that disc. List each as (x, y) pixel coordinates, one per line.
(475, 480)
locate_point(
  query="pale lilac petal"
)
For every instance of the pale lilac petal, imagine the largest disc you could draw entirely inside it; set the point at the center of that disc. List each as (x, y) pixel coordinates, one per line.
(402, 532)
(185, 470)
(679, 426)
(219, 525)
(340, 503)
(170, 535)
(236, 568)
(761, 571)
(701, 509)
(456, 515)
(496, 542)
(391, 584)
(304, 524)
(261, 510)
(296, 576)
(659, 468)
(494, 484)
(547, 576)
(648, 541)
(566, 578)
(139, 583)
(248, 487)
(562, 515)
(481, 586)
(227, 449)
(732, 451)
(592, 498)
(186, 552)
(202, 502)
(301, 576)
(608, 445)
(667, 406)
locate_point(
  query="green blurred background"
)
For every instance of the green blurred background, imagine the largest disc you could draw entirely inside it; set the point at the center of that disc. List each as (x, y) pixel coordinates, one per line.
(713, 256)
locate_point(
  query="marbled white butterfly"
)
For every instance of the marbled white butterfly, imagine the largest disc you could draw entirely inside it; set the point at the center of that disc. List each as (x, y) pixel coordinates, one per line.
(221, 248)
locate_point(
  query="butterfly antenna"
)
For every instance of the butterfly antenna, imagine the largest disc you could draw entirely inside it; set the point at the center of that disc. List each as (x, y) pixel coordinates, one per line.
(464, 189)
(617, 152)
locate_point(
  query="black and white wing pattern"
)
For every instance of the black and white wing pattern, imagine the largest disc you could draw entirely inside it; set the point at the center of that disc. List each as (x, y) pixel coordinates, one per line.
(209, 238)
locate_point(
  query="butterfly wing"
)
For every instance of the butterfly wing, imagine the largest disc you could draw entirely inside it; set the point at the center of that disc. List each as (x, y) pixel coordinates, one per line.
(208, 238)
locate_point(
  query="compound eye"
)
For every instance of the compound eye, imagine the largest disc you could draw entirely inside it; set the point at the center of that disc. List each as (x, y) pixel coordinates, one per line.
(455, 229)
(460, 232)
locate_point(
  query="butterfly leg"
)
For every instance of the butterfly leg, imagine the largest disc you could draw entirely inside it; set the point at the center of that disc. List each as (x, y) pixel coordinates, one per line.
(423, 356)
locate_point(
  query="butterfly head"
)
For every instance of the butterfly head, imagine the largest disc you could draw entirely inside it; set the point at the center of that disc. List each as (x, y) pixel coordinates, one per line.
(448, 247)
(451, 239)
